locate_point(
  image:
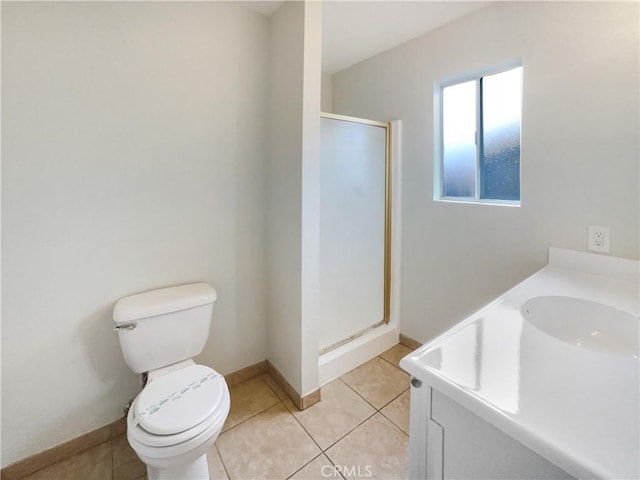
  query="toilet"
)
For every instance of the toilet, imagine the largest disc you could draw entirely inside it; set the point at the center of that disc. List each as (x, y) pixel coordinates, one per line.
(180, 412)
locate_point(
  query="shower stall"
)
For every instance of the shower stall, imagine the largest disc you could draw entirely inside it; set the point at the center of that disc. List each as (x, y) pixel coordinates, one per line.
(355, 233)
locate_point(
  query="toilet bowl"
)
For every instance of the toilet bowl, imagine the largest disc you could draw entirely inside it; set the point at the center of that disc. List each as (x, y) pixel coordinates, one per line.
(182, 408)
(176, 419)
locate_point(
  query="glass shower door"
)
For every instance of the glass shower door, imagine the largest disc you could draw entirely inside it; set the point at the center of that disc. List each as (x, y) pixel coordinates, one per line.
(354, 228)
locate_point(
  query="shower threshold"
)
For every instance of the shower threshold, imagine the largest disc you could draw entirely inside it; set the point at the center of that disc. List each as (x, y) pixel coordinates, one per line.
(352, 337)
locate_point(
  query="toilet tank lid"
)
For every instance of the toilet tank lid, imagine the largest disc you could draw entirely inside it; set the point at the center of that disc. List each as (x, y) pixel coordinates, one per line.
(164, 300)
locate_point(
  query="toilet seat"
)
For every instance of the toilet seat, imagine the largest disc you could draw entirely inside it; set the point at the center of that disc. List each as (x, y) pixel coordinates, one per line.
(174, 449)
(179, 406)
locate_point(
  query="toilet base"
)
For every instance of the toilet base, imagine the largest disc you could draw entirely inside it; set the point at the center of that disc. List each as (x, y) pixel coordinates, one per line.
(196, 470)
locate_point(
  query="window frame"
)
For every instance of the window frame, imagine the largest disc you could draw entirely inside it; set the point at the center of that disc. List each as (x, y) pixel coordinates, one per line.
(438, 177)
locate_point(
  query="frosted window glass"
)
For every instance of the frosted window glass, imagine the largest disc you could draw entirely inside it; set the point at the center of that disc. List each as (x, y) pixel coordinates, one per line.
(500, 159)
(458, 145)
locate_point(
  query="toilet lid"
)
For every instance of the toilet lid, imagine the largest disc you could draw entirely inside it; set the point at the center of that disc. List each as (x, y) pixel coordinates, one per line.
(179, 400)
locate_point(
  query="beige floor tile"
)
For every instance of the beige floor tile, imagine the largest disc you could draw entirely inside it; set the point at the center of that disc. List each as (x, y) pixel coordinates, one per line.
(274, 386)
(398, 411)
(319, 468)
(377, 449)
(216, 469)
(395, 354)
(340, 411)
(377, 381)
(271, 445)
(248, 399)
(93, 464)
(126, 464)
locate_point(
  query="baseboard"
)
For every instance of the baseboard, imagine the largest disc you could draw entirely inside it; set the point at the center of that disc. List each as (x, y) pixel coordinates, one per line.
(409, 342)
(61, 452)
(245, 373)
(302, 402)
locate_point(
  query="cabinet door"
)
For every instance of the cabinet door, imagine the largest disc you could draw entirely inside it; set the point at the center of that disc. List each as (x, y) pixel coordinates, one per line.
(474, 449)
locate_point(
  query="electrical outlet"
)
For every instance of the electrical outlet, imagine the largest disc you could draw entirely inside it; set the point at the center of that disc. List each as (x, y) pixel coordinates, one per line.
(598, 239)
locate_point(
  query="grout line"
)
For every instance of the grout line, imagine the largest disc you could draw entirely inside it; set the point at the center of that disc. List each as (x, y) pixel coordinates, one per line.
(374, 407)
(324, 451)
(391, 363)
(393, 399)
(255, 414)
(334, 465)
(113, 473)
(357, 393)
(305, 430)
(350, 431)
(394, 424)
(221, 461)
(244, 421)
(312, 460)
(249, 418)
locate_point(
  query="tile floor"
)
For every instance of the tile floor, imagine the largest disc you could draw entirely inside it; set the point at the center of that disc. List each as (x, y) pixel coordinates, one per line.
(360, 428)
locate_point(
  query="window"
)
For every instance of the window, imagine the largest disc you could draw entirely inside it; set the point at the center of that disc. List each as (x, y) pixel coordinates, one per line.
(478, 137)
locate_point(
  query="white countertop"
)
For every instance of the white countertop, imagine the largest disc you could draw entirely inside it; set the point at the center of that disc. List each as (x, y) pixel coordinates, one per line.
(576, 407)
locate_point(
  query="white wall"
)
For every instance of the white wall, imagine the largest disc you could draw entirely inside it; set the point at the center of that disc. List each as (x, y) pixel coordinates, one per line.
(292, 191)
(310, 277)
(580, 147)
(133, 158)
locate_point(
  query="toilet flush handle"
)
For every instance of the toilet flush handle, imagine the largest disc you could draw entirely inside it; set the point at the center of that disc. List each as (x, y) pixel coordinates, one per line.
(126, 326)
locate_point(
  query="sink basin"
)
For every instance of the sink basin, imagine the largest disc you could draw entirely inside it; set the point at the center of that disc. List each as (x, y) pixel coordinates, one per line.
(585, 324)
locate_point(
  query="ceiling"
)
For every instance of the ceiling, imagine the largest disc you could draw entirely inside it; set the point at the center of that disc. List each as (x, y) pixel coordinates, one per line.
(355, 30)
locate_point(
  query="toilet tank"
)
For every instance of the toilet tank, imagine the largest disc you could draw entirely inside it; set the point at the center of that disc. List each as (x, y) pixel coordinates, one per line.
(163, 327)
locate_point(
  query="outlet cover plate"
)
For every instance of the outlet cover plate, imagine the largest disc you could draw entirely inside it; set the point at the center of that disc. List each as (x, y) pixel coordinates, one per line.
(598, 239)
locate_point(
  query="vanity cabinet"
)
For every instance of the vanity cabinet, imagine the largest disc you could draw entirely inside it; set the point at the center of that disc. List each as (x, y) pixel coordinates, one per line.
(449, 442)
(515, 392)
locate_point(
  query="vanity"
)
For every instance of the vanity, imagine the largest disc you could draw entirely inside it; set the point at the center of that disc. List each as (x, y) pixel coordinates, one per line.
(542, 383)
